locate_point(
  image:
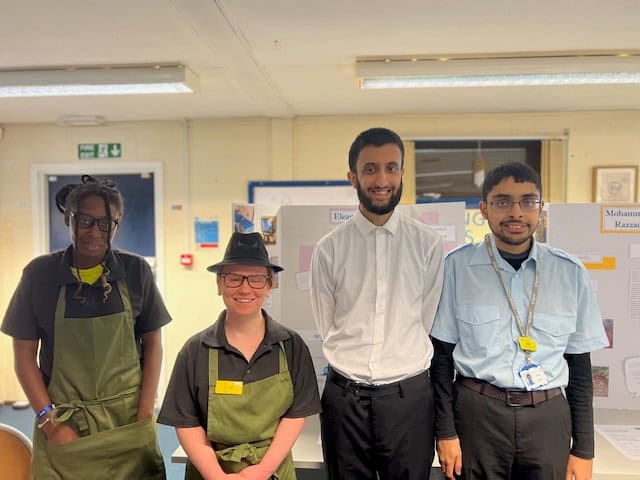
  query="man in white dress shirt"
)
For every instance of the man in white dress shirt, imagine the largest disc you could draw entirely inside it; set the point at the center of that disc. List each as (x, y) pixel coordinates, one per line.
(376, 283)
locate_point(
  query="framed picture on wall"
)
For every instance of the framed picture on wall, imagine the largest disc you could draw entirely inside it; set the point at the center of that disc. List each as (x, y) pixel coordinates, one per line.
(615, 184)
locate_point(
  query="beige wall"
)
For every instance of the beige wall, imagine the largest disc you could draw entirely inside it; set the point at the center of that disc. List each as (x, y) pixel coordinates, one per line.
(226, 154)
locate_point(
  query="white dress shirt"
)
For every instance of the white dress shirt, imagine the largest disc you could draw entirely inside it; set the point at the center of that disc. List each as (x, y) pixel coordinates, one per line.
(375, 292)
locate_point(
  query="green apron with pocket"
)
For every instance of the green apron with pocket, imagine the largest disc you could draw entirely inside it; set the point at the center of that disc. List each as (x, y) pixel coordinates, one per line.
(95, 386)
(241, 427)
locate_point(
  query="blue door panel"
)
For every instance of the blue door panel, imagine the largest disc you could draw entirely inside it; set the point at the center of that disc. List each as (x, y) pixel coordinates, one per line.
(136, 232)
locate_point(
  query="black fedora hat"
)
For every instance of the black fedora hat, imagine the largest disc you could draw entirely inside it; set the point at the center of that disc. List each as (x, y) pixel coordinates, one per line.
(245, 249)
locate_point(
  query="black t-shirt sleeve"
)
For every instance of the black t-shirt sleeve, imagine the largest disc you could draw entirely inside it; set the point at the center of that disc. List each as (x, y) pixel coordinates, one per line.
(580, 398)
(180, 407)
(153, 314)
(306, 399)
(442, 372)
(20, 320)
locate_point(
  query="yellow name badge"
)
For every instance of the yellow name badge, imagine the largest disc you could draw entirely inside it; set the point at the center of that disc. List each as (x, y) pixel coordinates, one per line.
(228, 387)
(528, 344)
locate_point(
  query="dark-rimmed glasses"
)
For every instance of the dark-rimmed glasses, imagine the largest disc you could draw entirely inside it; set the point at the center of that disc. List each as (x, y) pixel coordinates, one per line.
(234, 280)
(86, 221)
(505, 205)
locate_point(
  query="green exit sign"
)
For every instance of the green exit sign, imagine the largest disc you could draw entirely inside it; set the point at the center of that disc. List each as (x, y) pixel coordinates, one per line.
(99, 150)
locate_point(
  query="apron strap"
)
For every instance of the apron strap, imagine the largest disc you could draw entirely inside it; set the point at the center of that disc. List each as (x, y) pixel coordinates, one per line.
(250, 452)
(60, 304)
(284, 365)
(63, 412)
(126, 299)
(213, 368)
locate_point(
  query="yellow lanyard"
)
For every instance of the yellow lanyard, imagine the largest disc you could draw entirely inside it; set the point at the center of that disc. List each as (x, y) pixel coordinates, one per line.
(527, 344)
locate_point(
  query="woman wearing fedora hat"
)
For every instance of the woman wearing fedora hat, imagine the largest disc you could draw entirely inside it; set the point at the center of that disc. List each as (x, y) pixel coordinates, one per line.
(241, 389)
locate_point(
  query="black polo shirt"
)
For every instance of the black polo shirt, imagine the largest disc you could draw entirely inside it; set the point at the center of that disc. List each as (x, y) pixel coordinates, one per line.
(31, 311)
(185, 403)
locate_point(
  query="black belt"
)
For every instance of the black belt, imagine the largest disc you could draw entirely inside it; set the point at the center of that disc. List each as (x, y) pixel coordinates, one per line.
(367, 389)
(512, 398)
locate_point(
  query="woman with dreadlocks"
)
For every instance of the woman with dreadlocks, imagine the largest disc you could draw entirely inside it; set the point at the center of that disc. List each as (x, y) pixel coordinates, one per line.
(95, 315)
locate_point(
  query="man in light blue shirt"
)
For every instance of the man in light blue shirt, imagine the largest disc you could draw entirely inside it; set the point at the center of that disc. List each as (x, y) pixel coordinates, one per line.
(517, 320)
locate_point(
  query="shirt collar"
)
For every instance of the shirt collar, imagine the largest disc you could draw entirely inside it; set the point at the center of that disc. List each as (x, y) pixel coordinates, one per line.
(113, 263)
(481, 257)
(215, 336)
(365, 227)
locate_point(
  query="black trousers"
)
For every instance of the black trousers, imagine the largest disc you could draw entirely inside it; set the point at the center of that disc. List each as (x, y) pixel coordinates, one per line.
(369, 431)
(500, 442)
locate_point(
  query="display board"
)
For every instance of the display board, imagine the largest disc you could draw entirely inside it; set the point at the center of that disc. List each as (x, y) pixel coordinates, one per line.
(320, 192)
(606, 238)
(300, 227)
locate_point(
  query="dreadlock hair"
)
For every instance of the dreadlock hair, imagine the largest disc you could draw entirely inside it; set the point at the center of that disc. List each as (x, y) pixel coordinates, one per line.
(69, 198)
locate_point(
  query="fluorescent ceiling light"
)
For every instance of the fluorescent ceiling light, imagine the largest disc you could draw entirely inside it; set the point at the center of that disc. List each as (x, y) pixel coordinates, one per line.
(501, 80)
(80, 120)
(112, 80)
(568, 68)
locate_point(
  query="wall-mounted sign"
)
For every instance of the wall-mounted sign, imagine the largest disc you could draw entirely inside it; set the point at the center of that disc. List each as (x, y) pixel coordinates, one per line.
(207, 235)
(99, 150)
(619, 219)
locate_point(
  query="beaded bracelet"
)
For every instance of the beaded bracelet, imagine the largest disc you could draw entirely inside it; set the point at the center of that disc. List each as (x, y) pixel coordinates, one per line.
(44, 411)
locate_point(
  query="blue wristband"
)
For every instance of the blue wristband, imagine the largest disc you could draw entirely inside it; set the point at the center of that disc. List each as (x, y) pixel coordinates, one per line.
(44, 411)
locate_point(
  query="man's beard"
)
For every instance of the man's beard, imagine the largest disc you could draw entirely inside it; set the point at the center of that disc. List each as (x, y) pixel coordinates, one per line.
(368, 205)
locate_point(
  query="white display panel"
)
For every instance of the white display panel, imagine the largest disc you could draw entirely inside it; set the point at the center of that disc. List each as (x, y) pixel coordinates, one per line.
(611, 253)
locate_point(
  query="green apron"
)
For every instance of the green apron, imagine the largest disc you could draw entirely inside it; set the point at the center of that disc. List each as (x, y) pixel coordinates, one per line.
(95, 386)
(241, 427)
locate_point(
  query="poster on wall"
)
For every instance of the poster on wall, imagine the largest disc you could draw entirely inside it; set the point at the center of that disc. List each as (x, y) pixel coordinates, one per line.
(605, 239)
(207, 232)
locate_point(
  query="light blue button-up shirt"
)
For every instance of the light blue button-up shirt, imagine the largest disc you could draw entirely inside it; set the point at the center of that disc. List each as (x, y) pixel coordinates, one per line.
(474, 314)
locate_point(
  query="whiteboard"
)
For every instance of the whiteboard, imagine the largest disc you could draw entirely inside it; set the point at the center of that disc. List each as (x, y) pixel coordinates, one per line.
(323, 192)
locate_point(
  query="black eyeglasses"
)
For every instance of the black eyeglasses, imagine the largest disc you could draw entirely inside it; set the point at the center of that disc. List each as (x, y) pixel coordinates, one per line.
(233, 280)
(86, 221)
(505, 205)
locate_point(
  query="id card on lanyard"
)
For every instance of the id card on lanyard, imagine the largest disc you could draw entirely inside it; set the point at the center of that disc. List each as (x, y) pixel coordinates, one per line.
(530, 373)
